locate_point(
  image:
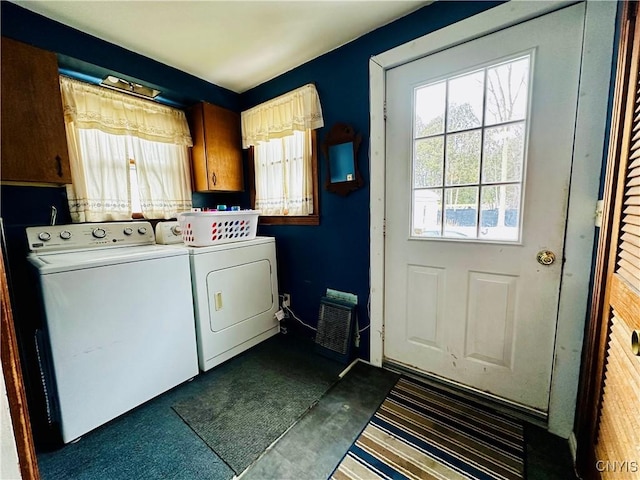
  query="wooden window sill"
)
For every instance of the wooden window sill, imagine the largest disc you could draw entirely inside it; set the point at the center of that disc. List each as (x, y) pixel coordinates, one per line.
(290, 220)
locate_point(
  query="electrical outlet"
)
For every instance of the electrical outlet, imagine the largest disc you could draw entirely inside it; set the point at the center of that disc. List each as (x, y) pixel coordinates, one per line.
(286, 300)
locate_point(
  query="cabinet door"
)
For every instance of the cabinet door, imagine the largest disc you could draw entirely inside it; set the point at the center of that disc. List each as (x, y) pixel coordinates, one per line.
(34, 144)
(216, 153)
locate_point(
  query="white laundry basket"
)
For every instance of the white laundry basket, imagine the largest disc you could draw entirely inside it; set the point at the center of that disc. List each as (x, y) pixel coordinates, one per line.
(201, 229)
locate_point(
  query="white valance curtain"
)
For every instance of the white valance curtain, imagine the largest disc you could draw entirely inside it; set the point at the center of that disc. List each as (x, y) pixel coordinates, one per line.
(94, 107)
(106, 131)
(298, 110)
(280, 132)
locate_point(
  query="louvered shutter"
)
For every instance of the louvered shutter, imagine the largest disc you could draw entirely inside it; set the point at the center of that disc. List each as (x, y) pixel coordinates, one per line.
(618, 440)
(629, 254)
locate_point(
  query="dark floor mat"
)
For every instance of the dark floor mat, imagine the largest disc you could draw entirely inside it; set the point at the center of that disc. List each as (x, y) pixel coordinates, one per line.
(313, 447)
(256, 399)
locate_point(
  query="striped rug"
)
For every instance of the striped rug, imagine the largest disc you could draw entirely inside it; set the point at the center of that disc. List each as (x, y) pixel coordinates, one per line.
(420, 432)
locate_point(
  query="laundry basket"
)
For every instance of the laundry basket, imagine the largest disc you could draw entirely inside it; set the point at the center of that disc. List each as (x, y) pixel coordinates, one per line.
(201, 229)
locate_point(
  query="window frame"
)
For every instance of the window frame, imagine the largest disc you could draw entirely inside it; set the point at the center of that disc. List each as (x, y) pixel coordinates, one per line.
(482, 128)
(314, 218)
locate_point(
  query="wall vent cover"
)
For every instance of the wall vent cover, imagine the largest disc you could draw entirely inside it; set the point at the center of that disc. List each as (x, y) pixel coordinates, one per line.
(336, 321)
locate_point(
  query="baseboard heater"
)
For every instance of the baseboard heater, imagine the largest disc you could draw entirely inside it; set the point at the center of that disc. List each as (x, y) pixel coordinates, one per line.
(336, 323)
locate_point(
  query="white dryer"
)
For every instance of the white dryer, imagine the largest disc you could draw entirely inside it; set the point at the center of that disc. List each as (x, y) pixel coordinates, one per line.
(235, 294)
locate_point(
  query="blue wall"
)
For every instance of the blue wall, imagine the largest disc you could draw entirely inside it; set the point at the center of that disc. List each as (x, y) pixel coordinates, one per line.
(334, 254)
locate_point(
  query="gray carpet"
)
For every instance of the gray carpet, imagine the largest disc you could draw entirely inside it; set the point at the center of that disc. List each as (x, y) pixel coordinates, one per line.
(149, 443)
(255, 399)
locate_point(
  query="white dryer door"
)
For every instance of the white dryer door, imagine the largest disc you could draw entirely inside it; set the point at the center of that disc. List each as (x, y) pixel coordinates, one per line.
(239, 293)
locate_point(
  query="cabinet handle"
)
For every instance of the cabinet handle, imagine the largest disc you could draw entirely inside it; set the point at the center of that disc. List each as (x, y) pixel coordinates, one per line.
(214, 178)
(59, 165)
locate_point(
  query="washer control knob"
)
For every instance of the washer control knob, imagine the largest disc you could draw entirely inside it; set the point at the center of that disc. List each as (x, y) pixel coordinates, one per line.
(44, 236)
(142, 230)
(65, 234)
(99, 232)
(176, 230)
(128, 231)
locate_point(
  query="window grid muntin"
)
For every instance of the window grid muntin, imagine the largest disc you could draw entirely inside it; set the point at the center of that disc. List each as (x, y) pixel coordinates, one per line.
(483, 127)
(493, 125)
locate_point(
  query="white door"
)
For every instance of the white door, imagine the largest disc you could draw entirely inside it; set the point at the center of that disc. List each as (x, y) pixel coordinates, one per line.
(479, 149)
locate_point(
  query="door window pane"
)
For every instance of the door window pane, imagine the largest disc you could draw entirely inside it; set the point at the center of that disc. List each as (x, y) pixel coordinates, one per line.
(427, 213)
(463, 158)
(469, 145)
(500, 212)
(464, 108)
(460, 212)
(507, 92)
(430, 107)
(503, 153)
(428, 162)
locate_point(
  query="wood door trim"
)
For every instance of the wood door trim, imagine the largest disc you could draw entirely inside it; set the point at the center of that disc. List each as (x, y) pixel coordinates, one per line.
(15, 386)
(595, 344)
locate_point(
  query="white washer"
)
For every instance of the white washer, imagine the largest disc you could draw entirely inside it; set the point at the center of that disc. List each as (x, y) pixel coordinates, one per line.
(119, 319)
(235, 294)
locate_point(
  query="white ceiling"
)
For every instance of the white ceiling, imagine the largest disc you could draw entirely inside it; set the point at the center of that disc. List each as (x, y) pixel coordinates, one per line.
(234, 44)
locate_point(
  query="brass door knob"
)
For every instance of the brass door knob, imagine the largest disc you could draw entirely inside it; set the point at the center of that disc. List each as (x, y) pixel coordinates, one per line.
(635, 342)
(546, 257)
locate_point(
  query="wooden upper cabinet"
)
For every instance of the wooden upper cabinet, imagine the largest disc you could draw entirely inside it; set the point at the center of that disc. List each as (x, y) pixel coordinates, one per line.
(217, 149)
(34, 143)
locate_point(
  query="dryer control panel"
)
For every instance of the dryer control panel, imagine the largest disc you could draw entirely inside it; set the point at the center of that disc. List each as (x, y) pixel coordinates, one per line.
(89, 235)
(168, 233)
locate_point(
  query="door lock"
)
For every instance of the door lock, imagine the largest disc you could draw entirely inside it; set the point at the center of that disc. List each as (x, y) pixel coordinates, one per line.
(546, 257)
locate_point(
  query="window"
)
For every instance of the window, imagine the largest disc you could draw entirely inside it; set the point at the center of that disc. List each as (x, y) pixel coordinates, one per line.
(129, 157)
(290, 215)
(136, 207)
(469, 153)
(281, 138)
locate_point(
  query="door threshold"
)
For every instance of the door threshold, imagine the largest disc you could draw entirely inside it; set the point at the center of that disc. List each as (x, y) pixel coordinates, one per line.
(506, 407)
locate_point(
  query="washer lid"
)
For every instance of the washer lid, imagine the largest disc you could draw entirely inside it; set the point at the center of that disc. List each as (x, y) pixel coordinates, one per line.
(91, 258)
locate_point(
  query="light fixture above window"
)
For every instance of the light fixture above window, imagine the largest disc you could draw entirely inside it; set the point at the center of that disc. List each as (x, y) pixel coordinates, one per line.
(116, 83)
